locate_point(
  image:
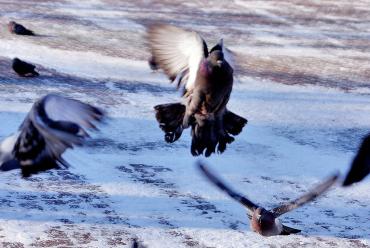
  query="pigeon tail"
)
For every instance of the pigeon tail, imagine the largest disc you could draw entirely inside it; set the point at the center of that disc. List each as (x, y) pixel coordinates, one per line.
(210, 133)
(234, 123)
(204, 136)
(170, 117)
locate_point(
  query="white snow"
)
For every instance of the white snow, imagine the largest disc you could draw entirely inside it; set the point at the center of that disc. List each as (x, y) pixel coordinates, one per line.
(129, 183)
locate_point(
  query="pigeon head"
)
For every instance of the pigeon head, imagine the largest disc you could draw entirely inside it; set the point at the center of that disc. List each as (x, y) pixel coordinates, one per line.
(216, 56)
(11, 25)
(264, 217)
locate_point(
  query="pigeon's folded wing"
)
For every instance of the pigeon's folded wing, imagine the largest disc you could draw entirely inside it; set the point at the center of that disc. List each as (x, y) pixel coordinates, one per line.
(178, 52)
(54, 124)
(310, 196)
(221, 185)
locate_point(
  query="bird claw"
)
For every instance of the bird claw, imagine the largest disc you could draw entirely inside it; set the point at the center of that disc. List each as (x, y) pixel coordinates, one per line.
(171, 137)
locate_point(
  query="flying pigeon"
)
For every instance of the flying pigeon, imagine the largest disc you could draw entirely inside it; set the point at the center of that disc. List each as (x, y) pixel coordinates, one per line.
(266, 222)
(24, 69)
(19, 29)
(54, 124)
(360, 167)
(206, 78)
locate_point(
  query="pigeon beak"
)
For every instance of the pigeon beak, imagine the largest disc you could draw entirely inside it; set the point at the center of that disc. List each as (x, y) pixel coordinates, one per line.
(219, 63)
(258, 217)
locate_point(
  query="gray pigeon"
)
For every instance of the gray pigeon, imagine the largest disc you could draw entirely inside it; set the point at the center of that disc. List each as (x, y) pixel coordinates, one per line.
(266, 222)
(360, 167)
(54, 124)
(207, 80)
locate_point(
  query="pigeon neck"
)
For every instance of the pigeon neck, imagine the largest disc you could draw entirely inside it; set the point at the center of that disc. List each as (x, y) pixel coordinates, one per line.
(204, 70)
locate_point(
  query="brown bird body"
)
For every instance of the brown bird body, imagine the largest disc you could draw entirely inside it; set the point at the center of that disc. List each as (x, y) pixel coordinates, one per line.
(207, 78)
(266, 222)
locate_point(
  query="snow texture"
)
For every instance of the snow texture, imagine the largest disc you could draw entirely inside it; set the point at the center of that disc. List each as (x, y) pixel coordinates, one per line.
(303, 84)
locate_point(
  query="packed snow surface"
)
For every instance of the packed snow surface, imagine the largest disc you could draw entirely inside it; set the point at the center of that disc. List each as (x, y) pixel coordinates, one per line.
(302, 83)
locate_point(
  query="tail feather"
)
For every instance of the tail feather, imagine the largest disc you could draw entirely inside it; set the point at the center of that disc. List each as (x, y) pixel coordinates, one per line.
(210, 133)
(234, 123)
(204, 137)
(170, 117)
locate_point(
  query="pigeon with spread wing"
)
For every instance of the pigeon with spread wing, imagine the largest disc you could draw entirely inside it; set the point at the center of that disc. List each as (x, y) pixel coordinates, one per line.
(54, 124)
(206, 77)
(266, 222)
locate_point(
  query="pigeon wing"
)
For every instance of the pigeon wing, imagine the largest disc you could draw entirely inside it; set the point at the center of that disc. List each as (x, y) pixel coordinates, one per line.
(360, 167)
(178, 53)
(221, 185)
(54, 124)
(310, 196)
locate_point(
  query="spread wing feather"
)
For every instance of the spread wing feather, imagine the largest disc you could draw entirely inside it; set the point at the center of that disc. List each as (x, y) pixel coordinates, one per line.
(178, 52)
(54, 124)
(310, 196)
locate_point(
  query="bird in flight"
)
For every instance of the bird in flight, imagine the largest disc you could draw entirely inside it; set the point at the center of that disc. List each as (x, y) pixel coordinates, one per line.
(54, 124)
(266, 222)
(206, 78)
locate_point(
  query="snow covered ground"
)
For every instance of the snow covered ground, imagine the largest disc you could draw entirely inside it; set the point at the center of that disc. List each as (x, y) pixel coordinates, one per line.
(303, 84)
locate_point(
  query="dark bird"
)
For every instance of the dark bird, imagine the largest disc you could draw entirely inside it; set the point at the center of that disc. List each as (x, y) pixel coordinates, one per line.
(266, 222)
(137, 244)
(207, 80)
(19, 29)
(54, 124)
(360, 167)
(24, 69)
(153, 64)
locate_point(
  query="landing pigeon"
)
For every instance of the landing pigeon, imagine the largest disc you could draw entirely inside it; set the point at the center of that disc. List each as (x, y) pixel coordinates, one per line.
(23, 68)
(266, 222)
(206, 78)
(54, 124)
(19, 29)
(360, 167)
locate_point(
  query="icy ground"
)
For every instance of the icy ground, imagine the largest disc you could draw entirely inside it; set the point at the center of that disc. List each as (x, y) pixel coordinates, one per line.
(303, 84)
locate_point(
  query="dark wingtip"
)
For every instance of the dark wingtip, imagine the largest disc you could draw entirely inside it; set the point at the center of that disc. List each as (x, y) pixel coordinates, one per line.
(349, 180)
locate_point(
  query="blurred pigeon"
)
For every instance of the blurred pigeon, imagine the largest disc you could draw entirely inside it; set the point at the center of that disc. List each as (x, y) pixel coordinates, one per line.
(360, 167)
(53, 124)
(153, 64)
(19, 29)
(24, 69)
(266, 222)
(207, 80)
(137, 244)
